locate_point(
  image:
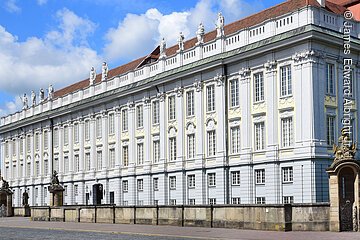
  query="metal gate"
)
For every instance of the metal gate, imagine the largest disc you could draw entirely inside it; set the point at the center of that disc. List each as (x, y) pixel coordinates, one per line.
(346, 194)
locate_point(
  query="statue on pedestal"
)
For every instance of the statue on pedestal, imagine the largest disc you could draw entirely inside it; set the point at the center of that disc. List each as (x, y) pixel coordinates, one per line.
(181, 41)
(51, 92)
(104, 71)
(56, 191)
(41, 95)
(24, 100)
(200, 34)
(25, 198)
(220, 25)
(33, 98)
(162, 48)
(92, 76)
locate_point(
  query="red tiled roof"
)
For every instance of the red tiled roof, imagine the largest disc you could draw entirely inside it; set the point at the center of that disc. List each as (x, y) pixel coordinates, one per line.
(345, 3)
(334, 6)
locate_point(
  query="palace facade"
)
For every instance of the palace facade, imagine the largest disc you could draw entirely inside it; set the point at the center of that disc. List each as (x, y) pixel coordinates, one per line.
(247, 113)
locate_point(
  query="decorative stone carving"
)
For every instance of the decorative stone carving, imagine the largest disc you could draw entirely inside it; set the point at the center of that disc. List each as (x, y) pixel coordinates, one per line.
(162, 48)
(50, 92)
(92, 76)
(161, 96)
(179, 91)
(220, 25)
(198, 85)
(104, 71)
(305, 56)
(346, 149)
(146, 100)
(130, 104)
(200, 34)
(33, 98)
(270, 66)
(56, 190)
(24, 100)
(244, 73)
(219, 78)
(41, 95)
(180, 42)
(355, 218)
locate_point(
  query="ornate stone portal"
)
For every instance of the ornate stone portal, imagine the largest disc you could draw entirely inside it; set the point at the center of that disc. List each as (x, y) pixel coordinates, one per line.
(6, 208)
(56, 191)
(344, 186)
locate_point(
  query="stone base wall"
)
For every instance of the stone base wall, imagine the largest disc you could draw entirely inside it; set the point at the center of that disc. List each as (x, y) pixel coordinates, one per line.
(295, 217)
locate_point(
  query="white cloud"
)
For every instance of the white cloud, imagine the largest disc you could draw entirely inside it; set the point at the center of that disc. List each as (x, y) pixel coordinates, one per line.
(10, 6)
(41, 2)
(136, 35)
(61, 57)
(11, 106)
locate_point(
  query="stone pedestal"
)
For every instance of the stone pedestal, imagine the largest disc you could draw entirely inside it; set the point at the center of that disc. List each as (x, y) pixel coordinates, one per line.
(56, 195)
(27, 211)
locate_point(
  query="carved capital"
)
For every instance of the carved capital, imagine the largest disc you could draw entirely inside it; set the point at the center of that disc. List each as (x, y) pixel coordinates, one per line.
(219, 78)
(130, 104)
(146, 100)
(270, 66)
(198, 85)
(179, 91)
(161, 96)
(245, 73)
(306, 56)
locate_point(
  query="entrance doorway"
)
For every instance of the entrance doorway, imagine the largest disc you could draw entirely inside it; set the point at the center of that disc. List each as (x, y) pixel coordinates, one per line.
(346, 198)
(97, 193)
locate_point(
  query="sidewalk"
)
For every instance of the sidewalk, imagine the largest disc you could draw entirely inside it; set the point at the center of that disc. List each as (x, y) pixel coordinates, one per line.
(171, 231)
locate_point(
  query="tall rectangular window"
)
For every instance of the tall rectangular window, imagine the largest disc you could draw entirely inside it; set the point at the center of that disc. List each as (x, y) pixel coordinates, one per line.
(210, 97)
(76, 133)
(66, 135)
(156, 112)
(98, 127)
(139, 116)
(172, 181)
(140, 185)
(260, 176)
(234, 92)
(28, 169)
(172, 149)
(124, 120)
(37, 168)
(140, 153)
(191, 146)
(14, 147)
(87, 130)
(211, 179)
(76, 163)
(87, 161)
(330, 127)
(211, 142)
(191, 181)
(112, 158)
(156, 146)
(287, 132)
(66, 164)
(56, 137)
(235, 139)
(56, 164)
(190, 110)
(259, 136)
(125, 156)
(125, 185)
(28, 144)
(46, 167)
(76, 190)
(37, 141)
(287, 174)
(46, 140)
(258, 87)
(330, 78)
(21, 143)
(99, 160)
(171, 108)
(7, 149)
(156, 184)
(111, 124)
(286, 81)
(235, 177)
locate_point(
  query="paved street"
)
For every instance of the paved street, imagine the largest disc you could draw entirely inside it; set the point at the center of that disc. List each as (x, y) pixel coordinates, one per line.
(18, 228)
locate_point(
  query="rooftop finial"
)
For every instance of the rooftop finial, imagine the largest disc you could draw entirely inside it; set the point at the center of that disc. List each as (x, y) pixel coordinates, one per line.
(104, 71)
(200, 34)
(162, 48)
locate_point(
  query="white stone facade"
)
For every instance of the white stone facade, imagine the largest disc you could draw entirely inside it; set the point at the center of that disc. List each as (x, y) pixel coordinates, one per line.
(242, 119)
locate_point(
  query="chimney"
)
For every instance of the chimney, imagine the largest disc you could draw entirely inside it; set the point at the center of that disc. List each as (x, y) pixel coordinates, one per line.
(321, 2)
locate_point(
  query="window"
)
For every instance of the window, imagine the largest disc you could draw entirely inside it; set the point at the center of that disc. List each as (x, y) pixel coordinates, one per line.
(66, 164)
(125, 185)
(46, 140)
(156, 202)
(287, 132)
(36, 192)
(66, 135)
(191, 201)
(112, 158)
(156, 112)
(76, 133)
(258, 87)
(37, 141)
(125, 156)
(14, 147)
(21, 148)
(234, 92)
(140, 153)
(14, 171)
(56, 164)
(125, 203)
(28, 144)
(190, 104)
(99, 160)
(172, 201)
(46, 167)
(235, 176)
(288, 199)
(124, 120)
(56, 137)
(139, 116)
(286, 82)
(65, 190)
(330, 127)
(111, 124)
(172, 108)
(172, 149)
(191, 145)
(156, 184)
(7, 149)
(260, 176)
(287, 174)
(259, 136)
(156, 145)
(87, 161)
(191, 181)
(210, 97)
(260, 200)
(235, 139)
(98, 127)
(211, 137)
(76, 163)
(28, 170)
(235, 200)
(37, 168)
(330, 78)
(172, 181)
(140, 185)
(45, 193)
(87, 130)
(211, 179)
(212, 201)
(76, 190)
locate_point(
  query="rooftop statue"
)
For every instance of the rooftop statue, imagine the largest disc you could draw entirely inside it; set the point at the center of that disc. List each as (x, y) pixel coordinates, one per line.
(51, 92)
(41, 95)
(181, 41)
(220, 25)
(24, 100)
(33, 98)
(163, 48)
(104, 71)
(92, 76)
(200, 34)
(345, 149)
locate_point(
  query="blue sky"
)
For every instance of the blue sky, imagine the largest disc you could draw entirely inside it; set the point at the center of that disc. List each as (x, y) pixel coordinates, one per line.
(52, 41)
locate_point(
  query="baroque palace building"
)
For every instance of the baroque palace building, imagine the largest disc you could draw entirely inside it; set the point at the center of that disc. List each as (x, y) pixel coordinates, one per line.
(247, 113)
